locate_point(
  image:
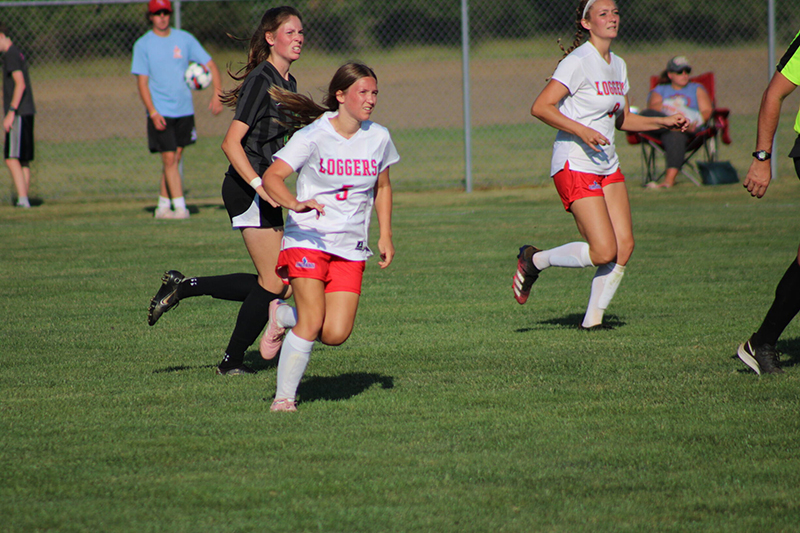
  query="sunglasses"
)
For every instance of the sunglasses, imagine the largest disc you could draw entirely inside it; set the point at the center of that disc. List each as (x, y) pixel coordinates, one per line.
(163, 13)
(683, 71)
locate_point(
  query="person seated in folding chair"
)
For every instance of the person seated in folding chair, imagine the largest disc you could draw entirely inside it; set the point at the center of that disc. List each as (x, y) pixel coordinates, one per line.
(674, 93)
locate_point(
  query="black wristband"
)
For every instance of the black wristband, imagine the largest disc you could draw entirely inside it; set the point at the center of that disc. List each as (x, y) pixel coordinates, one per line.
(14, 109)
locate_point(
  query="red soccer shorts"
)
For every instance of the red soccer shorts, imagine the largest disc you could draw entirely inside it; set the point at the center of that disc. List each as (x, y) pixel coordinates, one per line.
(339, 275)
(572, 185)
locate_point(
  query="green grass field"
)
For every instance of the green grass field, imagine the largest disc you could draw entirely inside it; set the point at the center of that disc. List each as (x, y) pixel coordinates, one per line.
(451, 408)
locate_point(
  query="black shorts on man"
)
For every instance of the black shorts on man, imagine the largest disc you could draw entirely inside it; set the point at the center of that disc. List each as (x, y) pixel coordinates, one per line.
(19, 139)
(179, 132)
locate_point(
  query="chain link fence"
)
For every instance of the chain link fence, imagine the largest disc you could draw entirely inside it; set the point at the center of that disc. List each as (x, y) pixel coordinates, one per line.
(90, 125)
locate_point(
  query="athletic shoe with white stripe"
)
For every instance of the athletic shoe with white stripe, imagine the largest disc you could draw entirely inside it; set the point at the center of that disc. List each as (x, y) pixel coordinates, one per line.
(167, 296)
(526, 273)
(763, 358)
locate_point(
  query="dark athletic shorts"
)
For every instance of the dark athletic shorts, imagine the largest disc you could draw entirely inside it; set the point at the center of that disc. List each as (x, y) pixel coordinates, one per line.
(795, 154)
(180, 132)
(245, 207)
(19, 140)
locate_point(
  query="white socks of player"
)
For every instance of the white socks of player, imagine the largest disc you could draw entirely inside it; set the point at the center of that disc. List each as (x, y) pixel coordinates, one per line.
(286, 316)
(163, 203)
(570, 255)
(179, 204)
(604, 285)
(295, 354)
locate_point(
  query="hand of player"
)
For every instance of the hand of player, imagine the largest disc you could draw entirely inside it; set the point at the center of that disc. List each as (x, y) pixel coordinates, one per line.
(758, 178)
(309, 205)
(8, 121)
(593, 138)
(266, 197)
(158, 121)
(386, 250)
(215, 105)
(676, 122)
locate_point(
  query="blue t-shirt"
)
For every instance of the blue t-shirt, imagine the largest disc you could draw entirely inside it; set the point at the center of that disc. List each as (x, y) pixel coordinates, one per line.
(682, 100)
(164, 60)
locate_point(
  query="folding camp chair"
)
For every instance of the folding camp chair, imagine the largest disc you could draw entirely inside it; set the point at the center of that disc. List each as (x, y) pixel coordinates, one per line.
(705, 140)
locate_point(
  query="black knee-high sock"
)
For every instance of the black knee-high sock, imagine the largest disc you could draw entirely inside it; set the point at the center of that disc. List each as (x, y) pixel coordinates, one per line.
(234, 287)
(253, 316)
(784, 308)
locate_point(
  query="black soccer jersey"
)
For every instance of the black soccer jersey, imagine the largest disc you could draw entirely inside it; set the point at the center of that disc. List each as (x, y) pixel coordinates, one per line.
(256, 108)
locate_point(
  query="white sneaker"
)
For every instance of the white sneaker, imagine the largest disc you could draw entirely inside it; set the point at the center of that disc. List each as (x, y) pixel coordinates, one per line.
(163, 213)
(180, 214)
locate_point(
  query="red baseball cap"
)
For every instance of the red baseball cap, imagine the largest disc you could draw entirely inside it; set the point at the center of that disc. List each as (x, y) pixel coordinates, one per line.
(157, 5)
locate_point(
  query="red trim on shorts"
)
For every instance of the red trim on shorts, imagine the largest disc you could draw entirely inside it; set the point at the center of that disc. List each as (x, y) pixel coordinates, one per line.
(338, 274)
(573, 185)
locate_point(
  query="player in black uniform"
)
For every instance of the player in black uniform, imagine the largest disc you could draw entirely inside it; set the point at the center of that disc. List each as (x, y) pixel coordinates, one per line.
(254, 135)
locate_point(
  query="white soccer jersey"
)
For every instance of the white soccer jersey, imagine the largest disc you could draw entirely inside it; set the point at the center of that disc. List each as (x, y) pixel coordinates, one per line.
(596, 95)
(340, 174)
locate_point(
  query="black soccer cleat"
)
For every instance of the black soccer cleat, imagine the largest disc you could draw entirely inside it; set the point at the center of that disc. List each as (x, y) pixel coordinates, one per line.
(167, 296)
(526, 273)
(235, 371)
(763, 358)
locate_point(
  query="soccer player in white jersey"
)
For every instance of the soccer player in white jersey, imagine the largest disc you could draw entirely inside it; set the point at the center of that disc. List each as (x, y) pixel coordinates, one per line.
(585, 100)
(342, 159)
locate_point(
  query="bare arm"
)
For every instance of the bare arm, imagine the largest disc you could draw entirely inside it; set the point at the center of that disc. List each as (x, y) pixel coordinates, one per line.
(215, 105)
(632, 122)
(760, 172)
(654, 101)
(144, 93)
(275, 186)
(545, 109)
(704, 104)
(16, 98)
(232, 146)
(383, 208)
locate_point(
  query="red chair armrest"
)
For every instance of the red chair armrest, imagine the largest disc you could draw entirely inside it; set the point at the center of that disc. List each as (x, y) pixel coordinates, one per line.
(720, 117)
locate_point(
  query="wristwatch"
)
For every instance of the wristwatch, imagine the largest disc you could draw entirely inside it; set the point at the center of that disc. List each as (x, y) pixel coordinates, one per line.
(14, 109)
(762, 155)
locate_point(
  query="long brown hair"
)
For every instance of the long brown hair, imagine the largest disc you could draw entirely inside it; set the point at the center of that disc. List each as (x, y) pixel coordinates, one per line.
(259, 49)
(580, 31)
(301, 110)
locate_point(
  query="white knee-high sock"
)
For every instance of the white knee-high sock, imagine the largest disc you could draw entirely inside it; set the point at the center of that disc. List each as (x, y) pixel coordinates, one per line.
(286, 315)
(570, 255)
(604, 285)
(295, 354)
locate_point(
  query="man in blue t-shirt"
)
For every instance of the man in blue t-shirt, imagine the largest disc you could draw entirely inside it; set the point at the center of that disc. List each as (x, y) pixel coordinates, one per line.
(160, 57)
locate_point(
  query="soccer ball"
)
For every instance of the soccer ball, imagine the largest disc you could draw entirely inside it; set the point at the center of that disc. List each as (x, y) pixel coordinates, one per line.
(197, 76)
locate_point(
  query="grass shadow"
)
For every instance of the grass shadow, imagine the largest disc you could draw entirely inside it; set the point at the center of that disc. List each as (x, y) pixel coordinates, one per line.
(572, 321)
(342, 387)
(790, 350)
(181, 368)
(193, 208)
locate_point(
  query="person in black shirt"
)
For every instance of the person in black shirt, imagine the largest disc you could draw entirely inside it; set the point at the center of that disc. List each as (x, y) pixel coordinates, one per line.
(254, 135)
(18, 111)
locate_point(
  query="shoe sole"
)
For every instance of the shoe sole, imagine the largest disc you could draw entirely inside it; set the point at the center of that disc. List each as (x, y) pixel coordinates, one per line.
(268, 347)
(748, 359)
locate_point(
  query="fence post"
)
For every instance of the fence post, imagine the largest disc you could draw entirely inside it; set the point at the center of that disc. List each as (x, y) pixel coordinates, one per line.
(465, 75)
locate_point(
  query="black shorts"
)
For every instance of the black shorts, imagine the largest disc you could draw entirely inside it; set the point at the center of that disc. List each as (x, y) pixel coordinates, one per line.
(795, 154)
(19, 140)
(245, 207)
(180, 132)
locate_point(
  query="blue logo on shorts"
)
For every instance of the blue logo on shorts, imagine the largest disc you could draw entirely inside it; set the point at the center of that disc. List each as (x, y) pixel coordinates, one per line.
(595, 186)
(305, 264)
